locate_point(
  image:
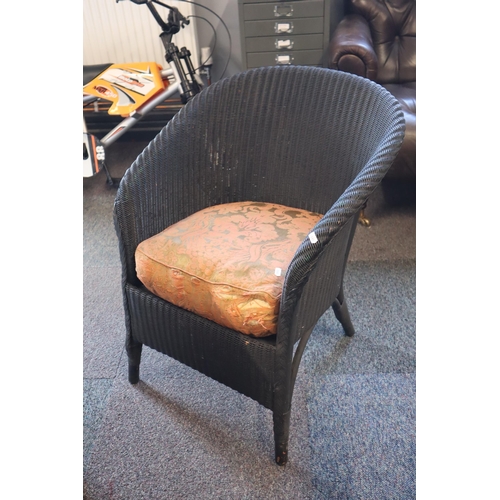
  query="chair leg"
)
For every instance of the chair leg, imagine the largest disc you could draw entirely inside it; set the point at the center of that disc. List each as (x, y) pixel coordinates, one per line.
(342, 314)
(134, 350)
(281, 433)
(362, 219)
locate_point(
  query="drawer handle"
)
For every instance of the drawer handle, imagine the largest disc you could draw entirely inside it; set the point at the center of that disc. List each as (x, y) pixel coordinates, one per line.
(283, 10)
(283, 44)
(281, 27)
(283, 59)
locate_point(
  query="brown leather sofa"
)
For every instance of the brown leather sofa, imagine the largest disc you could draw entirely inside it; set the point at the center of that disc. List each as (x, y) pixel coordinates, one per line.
(377, 39)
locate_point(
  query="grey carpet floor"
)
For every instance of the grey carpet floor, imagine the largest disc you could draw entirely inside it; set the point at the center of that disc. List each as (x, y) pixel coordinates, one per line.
(180, 435)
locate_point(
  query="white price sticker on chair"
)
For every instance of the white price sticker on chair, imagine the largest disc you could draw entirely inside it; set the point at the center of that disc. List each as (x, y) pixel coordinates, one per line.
(313, 238)
(277, 271)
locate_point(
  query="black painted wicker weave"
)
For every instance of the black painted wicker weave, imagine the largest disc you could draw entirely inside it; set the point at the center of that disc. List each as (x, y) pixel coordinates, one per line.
(304, 137)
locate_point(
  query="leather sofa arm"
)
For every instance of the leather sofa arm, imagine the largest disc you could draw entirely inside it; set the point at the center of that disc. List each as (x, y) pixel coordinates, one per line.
(351, 48)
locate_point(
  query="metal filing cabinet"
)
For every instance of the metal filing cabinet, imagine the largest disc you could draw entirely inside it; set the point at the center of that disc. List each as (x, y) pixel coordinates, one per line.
(284, 32)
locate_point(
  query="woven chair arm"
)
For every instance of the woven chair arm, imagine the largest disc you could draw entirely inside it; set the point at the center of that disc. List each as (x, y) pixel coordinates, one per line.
(324, 253)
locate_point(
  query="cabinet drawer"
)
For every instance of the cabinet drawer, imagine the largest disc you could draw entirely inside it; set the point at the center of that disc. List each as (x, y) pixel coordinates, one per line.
(297, 57)
(284, 26)
(293, 42)
(282, 10)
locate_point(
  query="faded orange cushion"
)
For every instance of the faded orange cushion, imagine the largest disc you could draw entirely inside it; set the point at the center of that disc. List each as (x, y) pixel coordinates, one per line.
(226, 263)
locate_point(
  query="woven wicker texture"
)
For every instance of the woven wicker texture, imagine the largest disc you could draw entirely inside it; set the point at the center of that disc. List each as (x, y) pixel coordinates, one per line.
(303, 137)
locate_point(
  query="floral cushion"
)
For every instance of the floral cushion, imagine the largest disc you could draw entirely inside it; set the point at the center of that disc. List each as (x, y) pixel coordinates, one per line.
(226, 263)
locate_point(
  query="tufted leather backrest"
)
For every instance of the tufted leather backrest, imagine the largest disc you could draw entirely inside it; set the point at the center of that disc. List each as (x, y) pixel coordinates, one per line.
(393, 27)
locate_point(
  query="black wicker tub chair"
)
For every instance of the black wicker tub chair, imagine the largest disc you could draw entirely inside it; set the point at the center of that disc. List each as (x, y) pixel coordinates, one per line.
(311, 139)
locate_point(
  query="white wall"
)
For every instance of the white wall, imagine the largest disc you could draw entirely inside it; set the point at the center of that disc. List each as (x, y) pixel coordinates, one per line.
(125, 32)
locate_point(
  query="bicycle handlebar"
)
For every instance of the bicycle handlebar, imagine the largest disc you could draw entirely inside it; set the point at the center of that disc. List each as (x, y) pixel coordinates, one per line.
(176, 20)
